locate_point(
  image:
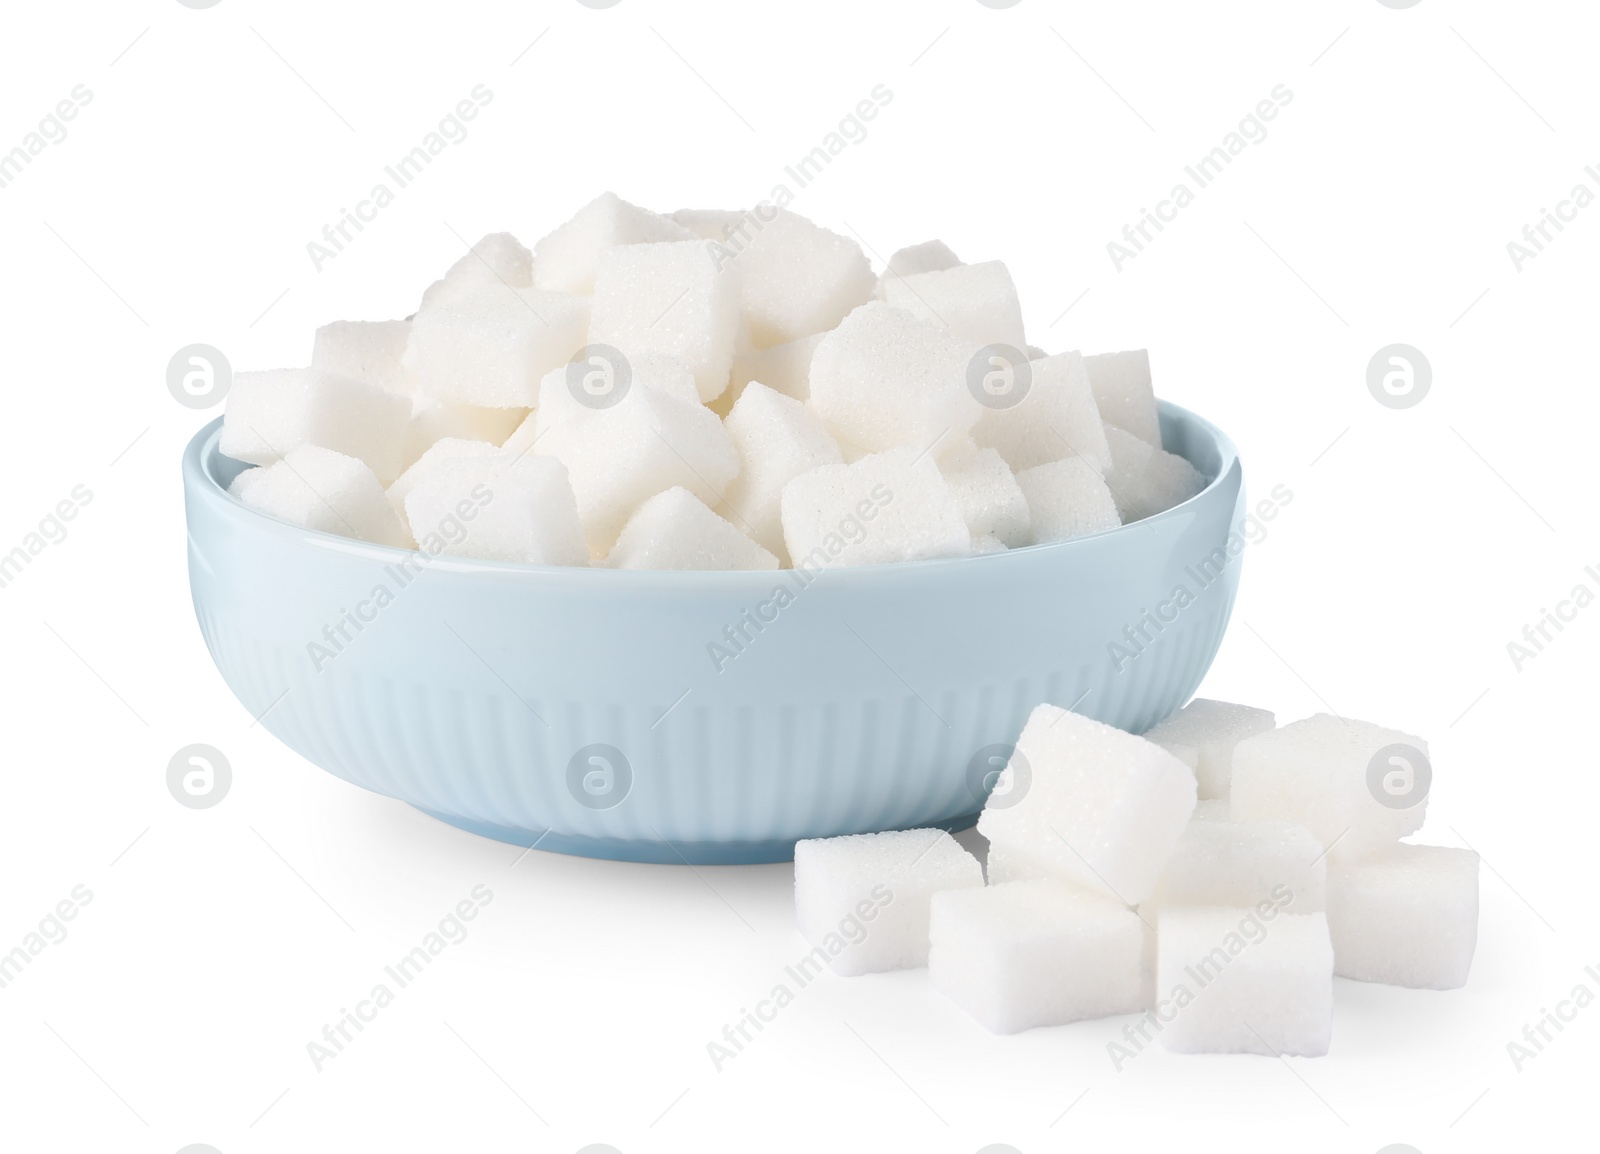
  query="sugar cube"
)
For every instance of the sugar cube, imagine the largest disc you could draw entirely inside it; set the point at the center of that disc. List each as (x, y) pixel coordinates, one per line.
(709, 223)
(929, 256)
(1035, 953)
(1240, 863)
(567, 259)
(369, 351)
(1145, 480)
(797, 278)
(1091, 803)
(777, 439)
(863, 899)
(321, 489)
(1327, 773)
(434, 421)
(892, 506)
(1055, 417)
(675, 530)
(975, 301)
(1211, 729)
(1405, 917)
(786, 368)
(1244, 981)
(498, 510)
(1123, 392)
(984, 544)
(444, 449)
(991, 500)
(1066, 499)
(273, 412)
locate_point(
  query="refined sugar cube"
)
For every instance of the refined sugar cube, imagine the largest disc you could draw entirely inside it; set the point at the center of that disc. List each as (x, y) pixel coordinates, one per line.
(619, 456)
(884, 379)
(566, 261)
(777, 439)
(675, 530)
(1405, 917)
(1035, 953)
(1238, 864)
(497, 510)
(1145, 480)
(786, 368)
(434, 421)
(975, 301)
(797, 278)
(1055, 418)
(1011, 864)
(320, 489)
(1210, 730)
(929, 256)
(274, 412)
(1091, 803)
(985, 544)
(673, 299)
(892, 506)
(1123, 393)
(1244, 981)
(489, 344)
(442, 450)
(369, 351)
(991, 500)
(1318, 772)
(709, 223)
(863, 899)
(1066, 499)
(500, 258)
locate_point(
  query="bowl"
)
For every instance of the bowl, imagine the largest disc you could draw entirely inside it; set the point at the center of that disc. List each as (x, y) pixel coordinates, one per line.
(702, 717)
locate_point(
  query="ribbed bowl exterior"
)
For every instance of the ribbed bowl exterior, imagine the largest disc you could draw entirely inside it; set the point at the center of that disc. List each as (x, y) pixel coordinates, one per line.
(736, 719)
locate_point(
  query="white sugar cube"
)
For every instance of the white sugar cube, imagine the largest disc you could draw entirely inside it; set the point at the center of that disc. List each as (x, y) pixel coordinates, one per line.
(777, 439)
(442, 450)
(496, 510)
(884, 379)
(566, 260)
(1145, 480)
(271, 413)
(991, 500)
(863, 899)
(1405, 917)
(709, 223)
(892, 506)
(1035, 953)
(975, 301)
(984, 544)
(675, 530)
(1238, 864)
(797, 277)
(786, 368)
(669, 299)
(1244, 981)
(369, 351)
(499, 257)
(487, 344)
(1055, 418)
(320, 489)
(1066, 499)
(1210, 730)
(619, 456)
(1328, 773)
(1123, 392)
(929, 256)
(1091, 803)
(434, 421)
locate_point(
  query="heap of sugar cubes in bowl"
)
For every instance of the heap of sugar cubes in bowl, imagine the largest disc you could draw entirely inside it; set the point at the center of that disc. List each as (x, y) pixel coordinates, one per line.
(1205, 882)
(703, 390)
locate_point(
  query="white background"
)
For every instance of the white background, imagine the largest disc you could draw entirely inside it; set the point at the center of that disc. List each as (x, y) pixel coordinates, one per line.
(1418, 543)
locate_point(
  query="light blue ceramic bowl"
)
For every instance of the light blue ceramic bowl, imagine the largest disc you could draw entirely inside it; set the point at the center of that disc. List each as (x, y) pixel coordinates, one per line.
(656, 716)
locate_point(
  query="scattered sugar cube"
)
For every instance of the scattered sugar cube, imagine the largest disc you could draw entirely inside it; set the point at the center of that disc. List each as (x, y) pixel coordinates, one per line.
(369, 351)
(1210, 730)
(1066, 499)
(1237, 864)
(786, 368)
(1055, 418)
(498, 510)
(929, 256)
(1035, 953)
(619, 456)
(567, 259)
(1091, 803)
(884, 379)
(892, 506)
(271, 413)
(863, 899)
(444, 449)
(1316, 772)
(777, 439)
(797, 277)
(669, 299)
(1244, 981)
(1406, 917)
(675, 530)
(321, 489)
(487, 344)
(975, 301)
(1146, 480)
(1123, 392)
(991, 500)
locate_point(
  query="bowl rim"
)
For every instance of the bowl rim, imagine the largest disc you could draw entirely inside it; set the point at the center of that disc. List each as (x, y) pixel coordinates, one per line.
(202, 452)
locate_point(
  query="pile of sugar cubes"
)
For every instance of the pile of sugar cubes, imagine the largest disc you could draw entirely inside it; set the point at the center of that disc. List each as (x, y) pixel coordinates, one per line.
(703, 390)
(1210, 877)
